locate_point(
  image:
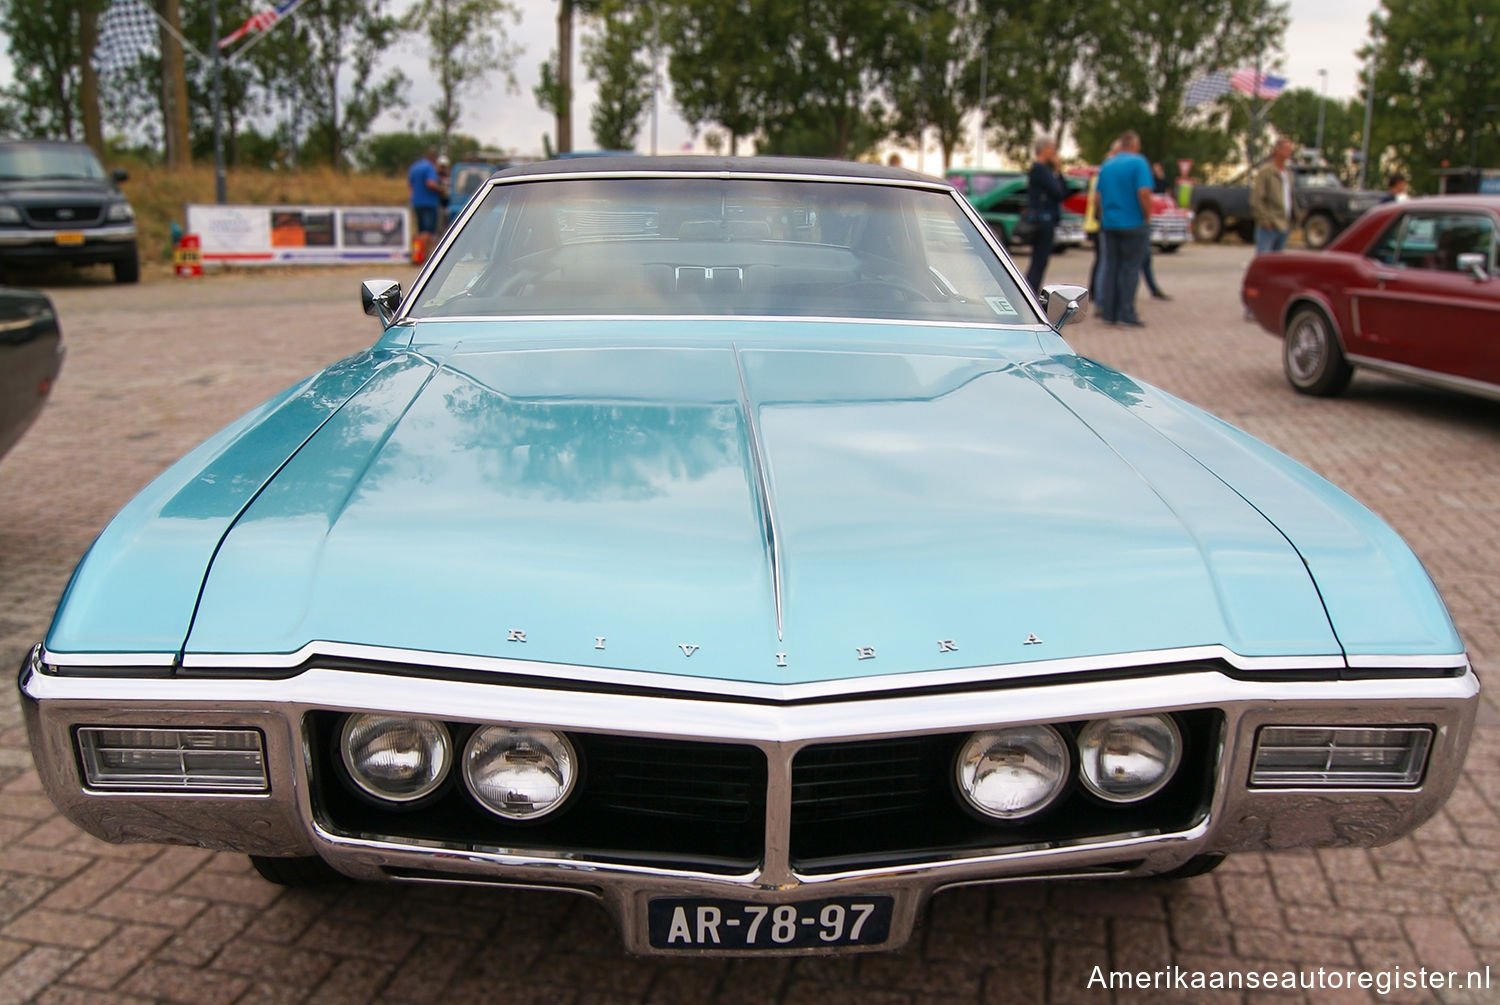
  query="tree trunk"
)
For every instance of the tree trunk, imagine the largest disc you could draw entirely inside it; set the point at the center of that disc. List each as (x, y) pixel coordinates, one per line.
(564, 76)
(88, 77)
(174, 102)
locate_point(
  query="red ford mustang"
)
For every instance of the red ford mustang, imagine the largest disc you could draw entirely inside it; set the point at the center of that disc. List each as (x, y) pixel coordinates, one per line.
(1411, 290)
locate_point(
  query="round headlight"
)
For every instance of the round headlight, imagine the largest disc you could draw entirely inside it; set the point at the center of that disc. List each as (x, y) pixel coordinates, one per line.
(520, 774)
(1013, 772)
(1130, 758)
(396, 757)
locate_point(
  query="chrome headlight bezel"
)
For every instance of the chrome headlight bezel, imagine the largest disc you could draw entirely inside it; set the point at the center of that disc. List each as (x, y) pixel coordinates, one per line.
(554, 743)
(119, 212)
(442, 746)
(9, 215)
(1089, 737)
(1041, 735)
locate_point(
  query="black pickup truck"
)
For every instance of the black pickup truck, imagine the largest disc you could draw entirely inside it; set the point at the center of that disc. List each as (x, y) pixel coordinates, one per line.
(1324, 206)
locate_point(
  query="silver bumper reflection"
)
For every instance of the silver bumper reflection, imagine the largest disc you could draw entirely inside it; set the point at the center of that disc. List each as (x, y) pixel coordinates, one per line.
(283, 822)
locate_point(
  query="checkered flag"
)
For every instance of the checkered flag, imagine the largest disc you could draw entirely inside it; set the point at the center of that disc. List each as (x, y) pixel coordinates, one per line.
(1206, 89)
(127, 32)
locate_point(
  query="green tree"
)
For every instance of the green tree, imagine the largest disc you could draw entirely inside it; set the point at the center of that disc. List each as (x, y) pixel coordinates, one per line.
(1040, 66)
(1295, 114)
(721, 67)
(394, 153)
(834, 52)
(1436, 92)
(1150, 50)
(932, 71)
(344, 41)
(613, 55)
(466, 41)
(46, 66)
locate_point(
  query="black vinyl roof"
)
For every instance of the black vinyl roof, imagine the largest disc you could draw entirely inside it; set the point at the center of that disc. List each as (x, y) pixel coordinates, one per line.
(716, 165)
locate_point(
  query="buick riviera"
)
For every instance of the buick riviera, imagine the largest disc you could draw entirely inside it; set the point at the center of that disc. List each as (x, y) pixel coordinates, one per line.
(738, 543)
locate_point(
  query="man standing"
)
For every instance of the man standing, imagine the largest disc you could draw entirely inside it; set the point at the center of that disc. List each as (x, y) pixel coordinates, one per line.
(426, 197)
(1396, 188)
(1044, 199)
(1271, 200)
(1125, 225)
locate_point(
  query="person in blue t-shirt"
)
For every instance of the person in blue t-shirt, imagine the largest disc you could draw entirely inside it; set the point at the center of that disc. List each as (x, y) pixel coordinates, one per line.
(427, 194)
(1124, 189)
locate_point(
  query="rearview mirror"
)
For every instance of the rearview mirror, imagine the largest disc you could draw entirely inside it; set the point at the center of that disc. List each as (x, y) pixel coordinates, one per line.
(1064, 304)
(119, 175)
(1475, 264)
(380, 299)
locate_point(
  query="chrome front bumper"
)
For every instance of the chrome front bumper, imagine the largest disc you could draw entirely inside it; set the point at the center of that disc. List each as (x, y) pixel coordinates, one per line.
(283, 822)
(26, 237)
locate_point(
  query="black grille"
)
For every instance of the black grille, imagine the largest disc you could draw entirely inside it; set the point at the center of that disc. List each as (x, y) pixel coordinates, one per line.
(886, 802)
(661, 802)
(64, 216)
(850, 781)
(708, 782)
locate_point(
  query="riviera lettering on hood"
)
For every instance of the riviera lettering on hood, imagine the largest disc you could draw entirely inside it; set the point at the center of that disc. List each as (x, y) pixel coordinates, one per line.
(600, 506)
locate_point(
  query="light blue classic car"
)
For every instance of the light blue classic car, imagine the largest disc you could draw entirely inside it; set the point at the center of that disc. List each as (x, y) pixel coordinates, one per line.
(738, 543)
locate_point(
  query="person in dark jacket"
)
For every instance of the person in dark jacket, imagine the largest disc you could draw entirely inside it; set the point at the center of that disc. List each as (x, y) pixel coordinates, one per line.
(1044, 199)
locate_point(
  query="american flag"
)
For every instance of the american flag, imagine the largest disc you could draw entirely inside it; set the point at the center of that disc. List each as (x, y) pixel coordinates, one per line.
(263, 21)
(1206, 89)
(1246, 81)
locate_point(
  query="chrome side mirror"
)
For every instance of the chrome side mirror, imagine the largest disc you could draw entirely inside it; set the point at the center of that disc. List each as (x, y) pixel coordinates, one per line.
(380, 298)
(1475, 264)
(1064, 304)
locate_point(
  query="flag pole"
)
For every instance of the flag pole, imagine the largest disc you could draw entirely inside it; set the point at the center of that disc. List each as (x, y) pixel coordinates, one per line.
(218, 102)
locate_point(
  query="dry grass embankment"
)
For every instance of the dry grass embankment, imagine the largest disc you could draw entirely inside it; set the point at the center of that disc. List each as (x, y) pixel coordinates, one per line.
(161, 196)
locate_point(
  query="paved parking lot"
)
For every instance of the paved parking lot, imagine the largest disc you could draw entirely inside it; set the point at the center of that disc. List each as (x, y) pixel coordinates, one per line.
(153, 369)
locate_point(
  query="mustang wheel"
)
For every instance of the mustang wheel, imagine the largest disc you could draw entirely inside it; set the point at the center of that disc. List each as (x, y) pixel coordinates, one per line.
(1317, 231)
(1208, 225)
(1311, 355)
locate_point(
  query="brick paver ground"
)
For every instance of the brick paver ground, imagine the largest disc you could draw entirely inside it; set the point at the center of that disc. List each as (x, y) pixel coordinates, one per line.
(151, 370)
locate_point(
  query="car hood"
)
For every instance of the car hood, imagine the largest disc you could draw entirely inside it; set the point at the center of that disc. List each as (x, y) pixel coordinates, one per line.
(44, 191)
(752, 511)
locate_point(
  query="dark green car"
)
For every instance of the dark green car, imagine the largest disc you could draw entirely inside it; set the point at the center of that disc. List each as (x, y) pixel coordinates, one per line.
(1000, 198)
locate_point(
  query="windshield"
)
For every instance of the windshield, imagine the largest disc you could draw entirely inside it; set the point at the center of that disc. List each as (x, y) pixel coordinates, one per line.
(695, 246)
(1318, 179)
(26, 161)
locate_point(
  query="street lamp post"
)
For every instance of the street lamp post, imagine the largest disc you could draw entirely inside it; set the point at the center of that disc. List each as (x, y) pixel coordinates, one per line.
(1322, 105)
(984, 71)
(1364, 145)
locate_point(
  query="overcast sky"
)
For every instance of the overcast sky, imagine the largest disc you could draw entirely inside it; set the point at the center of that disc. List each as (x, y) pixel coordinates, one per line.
(1324, 34)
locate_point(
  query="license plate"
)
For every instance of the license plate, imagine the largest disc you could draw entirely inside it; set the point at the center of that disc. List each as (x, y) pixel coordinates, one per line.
(703, 923)
(68, 237)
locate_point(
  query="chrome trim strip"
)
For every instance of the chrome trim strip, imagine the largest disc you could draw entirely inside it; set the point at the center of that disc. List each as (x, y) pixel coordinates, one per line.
(746, 689)
(700, 318)
(16, 237)
(1457, 661)
(1431, 377)
(122, 660)
(762, 487)
(778, 729)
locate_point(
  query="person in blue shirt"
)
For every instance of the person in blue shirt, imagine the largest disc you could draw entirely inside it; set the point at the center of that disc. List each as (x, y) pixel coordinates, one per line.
(1044, 199)
(1124, 189)
(427, 194)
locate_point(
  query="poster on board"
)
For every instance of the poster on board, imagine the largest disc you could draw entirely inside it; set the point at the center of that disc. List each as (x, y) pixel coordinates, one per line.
(300, 235)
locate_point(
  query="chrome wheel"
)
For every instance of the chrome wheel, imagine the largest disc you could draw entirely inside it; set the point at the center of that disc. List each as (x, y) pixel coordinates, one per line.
(1306, 343)
(1311, 355)
(1317, 231)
